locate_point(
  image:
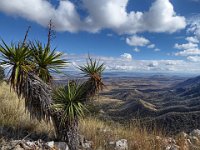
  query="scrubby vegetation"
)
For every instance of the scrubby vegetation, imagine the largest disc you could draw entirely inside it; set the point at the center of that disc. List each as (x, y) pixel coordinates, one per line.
(31, 66)
(15, 122)
(17, 125)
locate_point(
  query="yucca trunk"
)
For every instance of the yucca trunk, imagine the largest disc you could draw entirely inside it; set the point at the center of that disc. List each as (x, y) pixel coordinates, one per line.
(38, 101)
(36, 93)
(91, 88)
(66, 131)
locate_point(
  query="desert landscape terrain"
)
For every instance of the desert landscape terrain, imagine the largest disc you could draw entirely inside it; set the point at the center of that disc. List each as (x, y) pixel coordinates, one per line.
(171, 103)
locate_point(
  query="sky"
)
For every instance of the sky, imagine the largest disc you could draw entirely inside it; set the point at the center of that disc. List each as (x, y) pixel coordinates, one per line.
(127, 35)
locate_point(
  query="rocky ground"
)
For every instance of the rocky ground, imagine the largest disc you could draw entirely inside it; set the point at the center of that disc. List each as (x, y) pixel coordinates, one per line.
(182, 141)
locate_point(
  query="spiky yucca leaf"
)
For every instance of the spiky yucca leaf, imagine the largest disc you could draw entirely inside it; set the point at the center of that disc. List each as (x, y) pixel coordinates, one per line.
(17, 57)
(93, 70)
(69, 101)
(22, 79)
(47, 61)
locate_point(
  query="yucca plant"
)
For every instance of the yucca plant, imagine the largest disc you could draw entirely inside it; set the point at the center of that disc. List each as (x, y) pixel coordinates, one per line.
(46, 60)
(93, 71)
(31, 67)
(25, 75)
(24, 81)
(68, 102)
(17, 57)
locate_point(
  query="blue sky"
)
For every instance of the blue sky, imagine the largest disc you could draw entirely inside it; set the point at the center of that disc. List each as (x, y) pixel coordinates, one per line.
(127, 35)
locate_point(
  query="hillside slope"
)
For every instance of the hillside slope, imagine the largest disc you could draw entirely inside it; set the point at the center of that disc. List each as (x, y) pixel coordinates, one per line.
(174, 107)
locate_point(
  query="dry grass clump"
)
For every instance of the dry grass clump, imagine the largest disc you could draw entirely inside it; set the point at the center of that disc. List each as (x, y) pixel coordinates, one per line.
(14, 121)
(101, 133)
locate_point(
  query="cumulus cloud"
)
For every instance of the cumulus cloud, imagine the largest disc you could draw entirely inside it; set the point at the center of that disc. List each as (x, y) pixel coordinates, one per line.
(192, 39)
(191, 49)
(186, 46)
(101, 14)
(137, 41)
(188, 52)
(106, 13)
(173, 62)
(194, 58)
(153, 64)
(132, 65)
(162, 14)
(126, 56)
(194, 26)
(160, 17)
(151, 46)
(64, 17)
(136, 49)
(156, 49)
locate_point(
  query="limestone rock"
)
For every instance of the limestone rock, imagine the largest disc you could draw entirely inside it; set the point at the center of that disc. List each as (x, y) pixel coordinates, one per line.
(87, 145)
(194, 140)
(121, 145)
(50, 144)
(196, 133)
(61, 146)
(172, 147)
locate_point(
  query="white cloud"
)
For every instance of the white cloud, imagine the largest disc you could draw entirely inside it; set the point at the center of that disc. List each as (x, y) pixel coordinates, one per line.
(120, 63)
(194, 26)
(192, 39)
(137, 41)
(191, 48)
(109, 14)
(156, 49)
(126, 56)
(151, 46)
(194, 58)
(186, 46)
(136, 49)
(106, 13)
(172, 62)
(162, 14)
(153, 64)
(64, 17)
(160, 18)
(188, 52)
